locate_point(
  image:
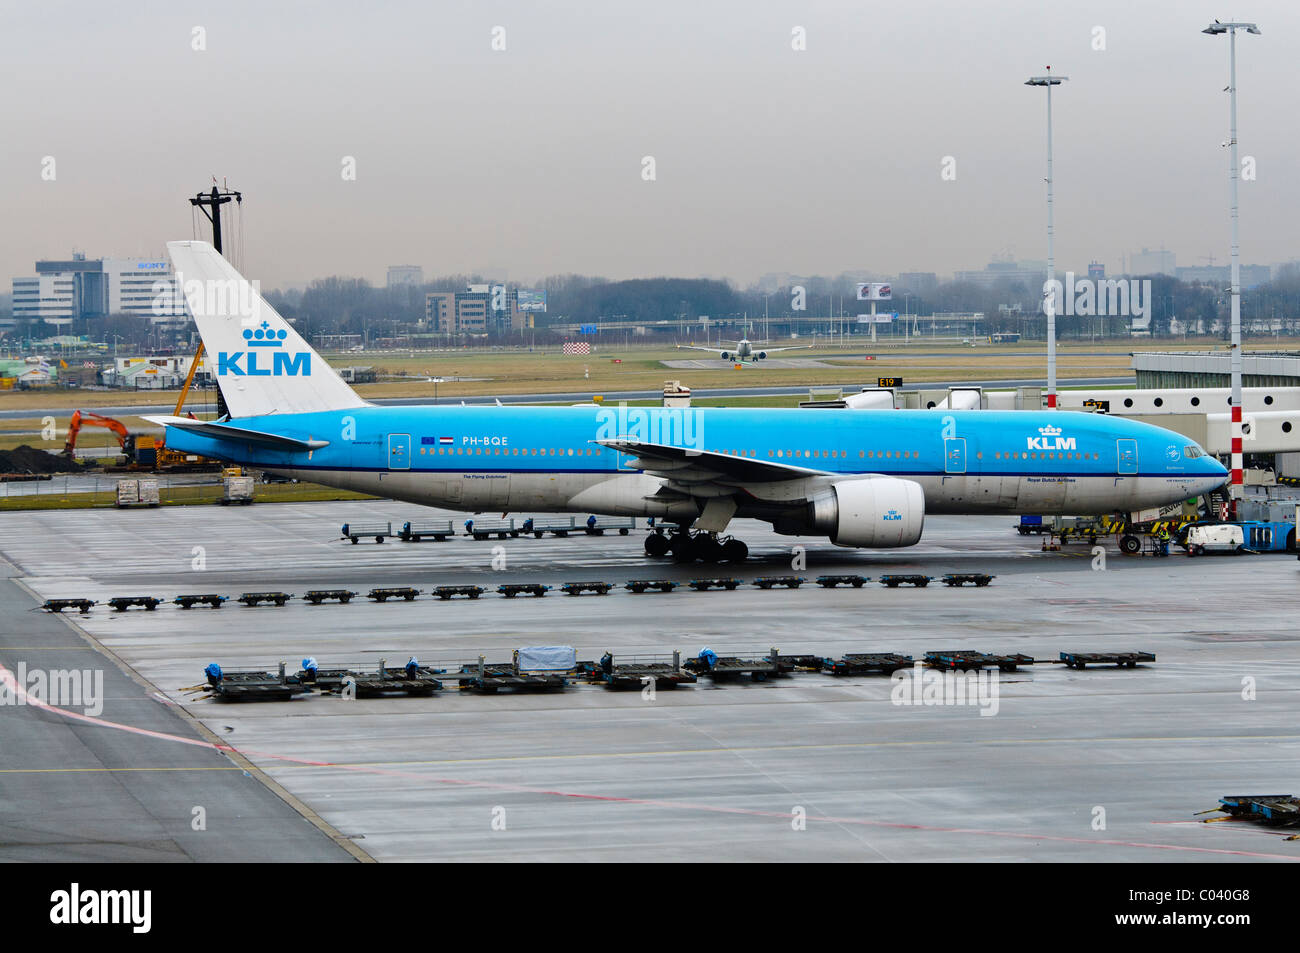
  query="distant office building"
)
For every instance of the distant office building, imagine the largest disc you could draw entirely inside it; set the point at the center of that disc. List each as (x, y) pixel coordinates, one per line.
(1251, 275)
(482, 309)
(1148, 262)
(1029, 273)
(68, 290)
(917, 282)
(405, 275)
(775, 281)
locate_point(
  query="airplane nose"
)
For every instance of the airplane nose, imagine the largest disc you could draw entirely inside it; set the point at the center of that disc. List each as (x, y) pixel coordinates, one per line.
(1216, 475)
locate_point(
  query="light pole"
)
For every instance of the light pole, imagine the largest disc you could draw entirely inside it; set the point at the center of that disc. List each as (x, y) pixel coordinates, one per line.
(1049, 81)
(1236, 491)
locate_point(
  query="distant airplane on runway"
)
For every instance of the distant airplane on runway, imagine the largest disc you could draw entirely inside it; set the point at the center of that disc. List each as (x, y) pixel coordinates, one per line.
(743, 350)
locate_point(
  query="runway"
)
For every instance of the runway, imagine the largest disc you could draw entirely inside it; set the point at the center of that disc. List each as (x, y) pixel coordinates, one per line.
(806, 768)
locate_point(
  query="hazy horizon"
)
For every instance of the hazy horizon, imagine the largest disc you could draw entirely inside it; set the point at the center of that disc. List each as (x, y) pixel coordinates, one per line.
(527, 161)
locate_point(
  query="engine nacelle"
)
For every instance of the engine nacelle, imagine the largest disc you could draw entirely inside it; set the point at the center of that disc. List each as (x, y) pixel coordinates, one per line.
(761, 355)
(875, 512)
(726, 355)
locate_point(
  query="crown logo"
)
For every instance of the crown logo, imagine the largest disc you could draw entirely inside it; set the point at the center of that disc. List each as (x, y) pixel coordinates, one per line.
(1050, 431)
(263, 336)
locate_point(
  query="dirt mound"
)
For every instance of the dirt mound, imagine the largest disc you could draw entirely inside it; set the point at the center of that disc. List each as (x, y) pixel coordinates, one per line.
(27, 459)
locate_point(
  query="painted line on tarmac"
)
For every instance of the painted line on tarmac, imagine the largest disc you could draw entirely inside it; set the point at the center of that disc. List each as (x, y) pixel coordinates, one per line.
(8, 681)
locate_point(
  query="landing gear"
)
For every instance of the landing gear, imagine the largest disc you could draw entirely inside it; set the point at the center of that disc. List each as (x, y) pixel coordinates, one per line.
(734, 551)
(685, 547)
(707, 548)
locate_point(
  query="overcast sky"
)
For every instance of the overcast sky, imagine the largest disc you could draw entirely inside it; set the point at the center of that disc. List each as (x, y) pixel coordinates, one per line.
(528, 161)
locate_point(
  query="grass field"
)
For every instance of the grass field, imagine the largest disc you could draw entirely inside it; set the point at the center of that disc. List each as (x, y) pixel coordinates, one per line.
(642, 368)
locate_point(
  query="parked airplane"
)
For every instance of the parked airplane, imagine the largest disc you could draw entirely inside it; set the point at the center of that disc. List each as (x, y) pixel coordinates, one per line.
(863, 478)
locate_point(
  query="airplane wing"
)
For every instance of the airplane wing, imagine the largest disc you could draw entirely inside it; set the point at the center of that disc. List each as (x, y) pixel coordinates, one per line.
(696, 347)
(773, 350)
(685, 466)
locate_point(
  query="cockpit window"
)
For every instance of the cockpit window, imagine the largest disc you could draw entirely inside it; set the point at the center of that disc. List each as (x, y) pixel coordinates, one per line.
(1192, 452)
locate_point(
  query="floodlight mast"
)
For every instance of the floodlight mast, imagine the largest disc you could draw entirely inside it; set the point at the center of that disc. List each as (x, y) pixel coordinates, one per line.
(1049, 294)
(1236, 490)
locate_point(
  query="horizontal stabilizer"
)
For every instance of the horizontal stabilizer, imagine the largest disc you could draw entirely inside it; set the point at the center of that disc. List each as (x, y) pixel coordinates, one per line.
(218, 431)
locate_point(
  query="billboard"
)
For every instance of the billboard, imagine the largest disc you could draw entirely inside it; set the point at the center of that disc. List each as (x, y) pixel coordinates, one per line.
(531, 300)
(874, 291)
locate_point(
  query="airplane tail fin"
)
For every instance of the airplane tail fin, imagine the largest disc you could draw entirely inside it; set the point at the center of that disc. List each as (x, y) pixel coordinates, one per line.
(261, 364)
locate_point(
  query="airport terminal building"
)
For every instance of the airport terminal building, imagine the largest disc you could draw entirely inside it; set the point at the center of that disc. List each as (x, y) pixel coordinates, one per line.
(1191, 369)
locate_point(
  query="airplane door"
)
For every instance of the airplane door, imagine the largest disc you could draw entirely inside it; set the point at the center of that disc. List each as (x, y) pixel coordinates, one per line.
(399, 451)
(954, 455)
(1128, 457)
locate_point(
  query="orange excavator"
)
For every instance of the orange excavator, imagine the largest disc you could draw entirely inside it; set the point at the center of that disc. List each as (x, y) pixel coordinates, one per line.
(84, 418)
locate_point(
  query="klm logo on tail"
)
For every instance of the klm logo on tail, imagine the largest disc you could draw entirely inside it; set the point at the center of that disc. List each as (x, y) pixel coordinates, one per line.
(260, 340)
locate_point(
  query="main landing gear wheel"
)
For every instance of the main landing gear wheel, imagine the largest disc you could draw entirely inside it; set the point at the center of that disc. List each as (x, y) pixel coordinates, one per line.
(1130, 545)
(682, 547)
(707, 549)
(656, 545)
(734, 551)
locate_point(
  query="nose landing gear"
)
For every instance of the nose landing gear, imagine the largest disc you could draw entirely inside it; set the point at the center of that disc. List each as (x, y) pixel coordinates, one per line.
(685, 547)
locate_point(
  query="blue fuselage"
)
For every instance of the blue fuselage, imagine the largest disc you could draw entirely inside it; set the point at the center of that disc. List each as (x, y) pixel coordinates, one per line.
(967, 461)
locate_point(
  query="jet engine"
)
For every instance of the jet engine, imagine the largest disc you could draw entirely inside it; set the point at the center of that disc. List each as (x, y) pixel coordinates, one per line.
(875, 512)
(761, 355)
(726, 355)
